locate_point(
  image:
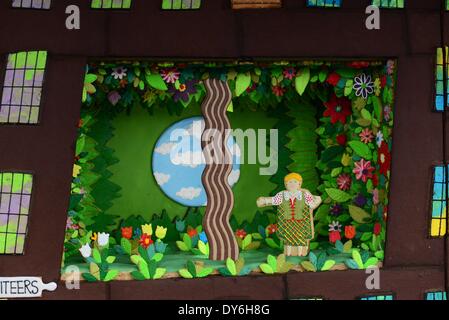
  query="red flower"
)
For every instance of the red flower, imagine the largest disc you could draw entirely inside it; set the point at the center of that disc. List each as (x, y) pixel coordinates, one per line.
(127, 232)
(145, 241)
(375, 180)
(344, 182)
(350, 232)
(334, 236)
(278, 91)
(377, 228)
(333, 79)
(358, 64)
(338, 109)
(384, 158)
(192, 232)
(342, 139)
(383, 81)
(272, 228)
(289, 73)
(240, 233)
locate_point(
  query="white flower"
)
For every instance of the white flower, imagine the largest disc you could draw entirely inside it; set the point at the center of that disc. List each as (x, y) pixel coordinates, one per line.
(103, 239)
(363, 86)
(86, 251)
(335, 226)
(119, 73)
(379, 138)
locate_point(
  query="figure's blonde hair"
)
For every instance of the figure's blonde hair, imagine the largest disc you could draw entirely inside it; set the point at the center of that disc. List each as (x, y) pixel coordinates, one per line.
(291, 176)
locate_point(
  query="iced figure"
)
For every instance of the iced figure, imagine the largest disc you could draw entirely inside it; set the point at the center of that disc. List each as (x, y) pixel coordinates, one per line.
(295, 215)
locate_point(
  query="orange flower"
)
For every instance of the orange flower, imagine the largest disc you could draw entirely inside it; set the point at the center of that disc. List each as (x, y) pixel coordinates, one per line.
(192, 232)
(350, 232)
(145, 241)
(272, 228)
(240, 233)
(127, 232)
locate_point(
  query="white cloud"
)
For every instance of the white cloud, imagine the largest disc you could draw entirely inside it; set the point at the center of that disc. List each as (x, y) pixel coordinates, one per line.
(233, 177)
(165, 148)
(189, 193)
(161, 178)
(188, 159)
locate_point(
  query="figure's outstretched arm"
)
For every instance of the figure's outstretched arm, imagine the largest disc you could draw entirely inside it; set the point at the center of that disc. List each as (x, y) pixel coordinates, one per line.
(264, 202)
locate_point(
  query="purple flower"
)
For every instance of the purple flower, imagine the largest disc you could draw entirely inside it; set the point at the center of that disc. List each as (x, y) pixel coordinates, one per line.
(114, 97)
(336, 209)
(184, 91)
(360, 200)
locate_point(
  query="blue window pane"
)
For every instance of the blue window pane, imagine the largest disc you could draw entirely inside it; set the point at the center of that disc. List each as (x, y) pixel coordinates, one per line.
(324, 3)
(381, 297)
(440, 296)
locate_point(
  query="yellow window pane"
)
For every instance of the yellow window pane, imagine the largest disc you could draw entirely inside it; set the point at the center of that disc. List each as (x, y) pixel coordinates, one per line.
(438, 227)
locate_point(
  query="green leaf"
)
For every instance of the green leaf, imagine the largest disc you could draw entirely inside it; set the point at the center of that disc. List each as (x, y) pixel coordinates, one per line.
(204, 248)
(156, 81)
(205, 272)
(159, 273)
(191, 268)
(185, 274)
(242, 83)
(143, 268)
(230, 264)
(271, 243)
(248, 239)
(136, 259)
(336, 171)
(357, 258)
(126, 245)
(110, 259)
(331, 152)
(358, 214)
(90, 78)
(371, 262)
(136, 275)
(360, 149)
(302, 80)
(94, 270)
(111, 275)
(377, 104)
(347, 246)
(307, 265)
(328, 265)
(187, 240)
(182, 246)
(365, 114)
(157, 257)
(88, 277)
(338, 195)
(96, 255)
(266, 268)
(272, 262)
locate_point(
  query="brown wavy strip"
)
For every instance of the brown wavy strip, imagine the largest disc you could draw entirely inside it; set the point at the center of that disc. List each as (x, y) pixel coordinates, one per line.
(220, 199)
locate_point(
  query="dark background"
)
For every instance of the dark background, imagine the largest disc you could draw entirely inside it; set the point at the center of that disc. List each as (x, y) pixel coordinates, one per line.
(414, 263)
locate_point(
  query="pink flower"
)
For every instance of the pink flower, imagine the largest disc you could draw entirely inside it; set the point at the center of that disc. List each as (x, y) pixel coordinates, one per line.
(376, 196)
(278, 91)
(114, 97)
(366, 136)
(289, 73)
(170, 75)
(334, 236)
(344, 182)
(363, 170)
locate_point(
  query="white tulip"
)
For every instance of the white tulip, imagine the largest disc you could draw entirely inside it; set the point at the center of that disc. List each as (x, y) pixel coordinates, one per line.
(86, 251)
(103, 239)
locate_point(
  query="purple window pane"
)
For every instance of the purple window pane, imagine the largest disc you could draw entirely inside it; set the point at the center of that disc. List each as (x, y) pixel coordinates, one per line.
(25, 207)
(4, 112)
(23, 222)
(6, 97)
(4, 202)
(13, 223)
(18, 78)
(14, 207)
(3, 222)
(38, 78)
(9, 77)
(14, 114)
(27, 187)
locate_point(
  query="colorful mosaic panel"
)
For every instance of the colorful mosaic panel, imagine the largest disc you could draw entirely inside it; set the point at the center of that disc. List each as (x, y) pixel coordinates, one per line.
(33, 4)
(324, 3)
(111, 4)
(15, 198)
(440, 78)
(439, 220)
(181, 4)
(22, 89)
(392, 4)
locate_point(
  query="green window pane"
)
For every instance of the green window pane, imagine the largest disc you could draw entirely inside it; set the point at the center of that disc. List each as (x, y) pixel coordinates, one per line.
(394, 4)
(111, 4)
(181, 4)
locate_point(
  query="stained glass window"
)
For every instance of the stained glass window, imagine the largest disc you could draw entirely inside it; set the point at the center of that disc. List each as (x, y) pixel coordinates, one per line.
(324, 3)
(381, 297)
(15, 197)
(255, 4)
(438, 295)
(394, 4)
(22, 89)
(33, 4)
(111, 4)
(181, 4)
(440, 78)
(439, 221)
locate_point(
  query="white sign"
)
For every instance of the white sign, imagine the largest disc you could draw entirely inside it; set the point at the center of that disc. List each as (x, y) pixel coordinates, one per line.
(24, 287)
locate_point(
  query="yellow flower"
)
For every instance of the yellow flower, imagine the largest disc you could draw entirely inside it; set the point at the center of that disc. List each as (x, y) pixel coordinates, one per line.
(345, 159)
(147, 229)
(161, 232)
(94, 237)
(76, 170)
